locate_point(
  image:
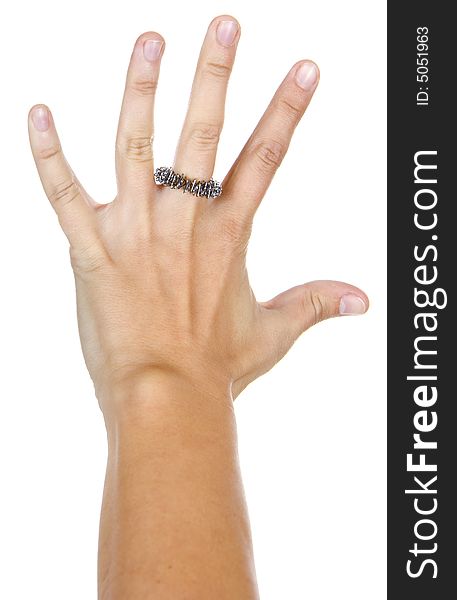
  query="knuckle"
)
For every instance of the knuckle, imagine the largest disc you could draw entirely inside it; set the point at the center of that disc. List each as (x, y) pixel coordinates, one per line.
(316, 302)
(205, 136)
(233, 230)
(48, 152)
(64, 193)
(87, 260)
(269, 154)
(137, 149)
(289, 108)
(144, 87)
(213, 69)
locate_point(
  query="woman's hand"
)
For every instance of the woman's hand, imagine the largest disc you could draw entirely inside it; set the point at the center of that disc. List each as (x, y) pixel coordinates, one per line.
(161, 281)
(166, 314)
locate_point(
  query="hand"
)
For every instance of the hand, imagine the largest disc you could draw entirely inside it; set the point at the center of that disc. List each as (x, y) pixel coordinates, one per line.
(161, 281)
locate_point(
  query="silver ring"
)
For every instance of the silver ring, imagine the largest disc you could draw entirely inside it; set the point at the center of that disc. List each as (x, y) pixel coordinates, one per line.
(166, 176)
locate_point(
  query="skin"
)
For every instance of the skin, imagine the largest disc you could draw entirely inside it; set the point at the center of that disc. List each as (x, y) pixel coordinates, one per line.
(171, 330)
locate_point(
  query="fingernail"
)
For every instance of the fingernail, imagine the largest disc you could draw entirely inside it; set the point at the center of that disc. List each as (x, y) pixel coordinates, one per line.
(226, 32)
(40, 118)
(350, 304)
(306, 76)
(152, 49)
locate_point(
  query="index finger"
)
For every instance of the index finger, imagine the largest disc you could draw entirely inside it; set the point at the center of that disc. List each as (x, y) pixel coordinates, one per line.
(251, 174)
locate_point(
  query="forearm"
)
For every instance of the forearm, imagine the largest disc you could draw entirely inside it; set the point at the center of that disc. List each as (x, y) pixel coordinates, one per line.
(174, 522)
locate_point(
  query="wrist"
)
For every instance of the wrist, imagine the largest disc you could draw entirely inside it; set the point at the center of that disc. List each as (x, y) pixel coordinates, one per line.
(151, 396)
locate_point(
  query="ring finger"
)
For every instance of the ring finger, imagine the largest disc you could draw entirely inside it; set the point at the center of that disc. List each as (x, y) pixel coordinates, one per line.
(134, 162)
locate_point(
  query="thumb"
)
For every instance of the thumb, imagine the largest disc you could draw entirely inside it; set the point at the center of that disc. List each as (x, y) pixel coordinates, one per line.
(303, 306)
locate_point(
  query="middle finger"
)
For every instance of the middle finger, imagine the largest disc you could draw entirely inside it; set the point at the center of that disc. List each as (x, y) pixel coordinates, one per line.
(196, 152)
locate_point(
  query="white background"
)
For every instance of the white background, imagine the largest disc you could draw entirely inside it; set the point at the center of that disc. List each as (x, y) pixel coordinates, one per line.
(312, 431)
